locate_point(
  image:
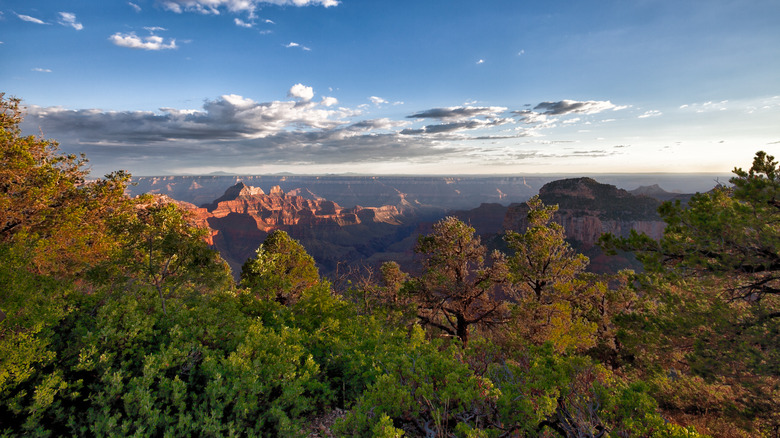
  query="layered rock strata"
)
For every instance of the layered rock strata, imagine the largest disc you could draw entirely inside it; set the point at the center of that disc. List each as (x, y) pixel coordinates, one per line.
(243, 216)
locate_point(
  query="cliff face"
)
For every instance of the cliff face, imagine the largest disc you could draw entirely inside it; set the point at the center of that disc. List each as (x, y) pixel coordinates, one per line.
(243, 216)
(587, 209)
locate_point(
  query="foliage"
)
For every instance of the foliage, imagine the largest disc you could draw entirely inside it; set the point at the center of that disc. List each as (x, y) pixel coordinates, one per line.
(431, 391)
(554, 299)
(281, 268)
(47, 206)
(427, 391)
(542, 258)
(711, 298)
(162, 249)
(457, 290)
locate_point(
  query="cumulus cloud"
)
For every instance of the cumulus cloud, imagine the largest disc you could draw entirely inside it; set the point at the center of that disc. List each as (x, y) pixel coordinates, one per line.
(573, 106)
(377, 100)
(30, 19)
(458, 112)
(228, 117)
(214, 6)
(133, 41)
(69, 19)
(234, 130)
(241, 23)
(302, 92)
(231, 131)
(481, 61)
(329, 101)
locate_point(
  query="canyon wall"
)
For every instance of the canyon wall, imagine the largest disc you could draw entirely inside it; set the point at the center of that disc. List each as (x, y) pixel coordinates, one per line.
(588, 209)
(243, 216)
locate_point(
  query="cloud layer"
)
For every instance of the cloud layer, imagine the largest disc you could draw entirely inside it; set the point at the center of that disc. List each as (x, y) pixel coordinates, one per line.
(234, 130)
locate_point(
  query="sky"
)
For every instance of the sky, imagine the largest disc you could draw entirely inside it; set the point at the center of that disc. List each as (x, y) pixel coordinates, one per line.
(164, 87)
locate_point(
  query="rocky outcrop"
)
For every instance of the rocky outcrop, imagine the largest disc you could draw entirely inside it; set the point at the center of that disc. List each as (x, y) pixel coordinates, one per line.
(587, 209)
(243, 216)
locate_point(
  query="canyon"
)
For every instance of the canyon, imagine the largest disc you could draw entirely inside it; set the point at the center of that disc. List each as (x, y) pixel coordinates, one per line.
(372, 221)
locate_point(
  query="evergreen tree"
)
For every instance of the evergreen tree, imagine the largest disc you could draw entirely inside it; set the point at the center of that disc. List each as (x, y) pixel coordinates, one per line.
(458, 289)
(281, 270)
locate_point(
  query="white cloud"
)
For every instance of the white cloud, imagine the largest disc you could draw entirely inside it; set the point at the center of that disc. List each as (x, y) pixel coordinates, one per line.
(706, 106)
(268, 22)
(302, 92)
(30, 19)
(131, 40)
(377, 100)
(651, 113)
(229, 117)
(173, 7)
(481, 61)
(69, 19)
(41, 70)
(236, 6)
(153, 29)
(292, 44)
(134, 6)
(329, 101)
(241, 23)
(521, 53)
(531, 117)
(233, 131)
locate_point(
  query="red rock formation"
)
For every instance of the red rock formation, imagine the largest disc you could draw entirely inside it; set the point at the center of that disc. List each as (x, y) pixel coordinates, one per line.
(241, 219)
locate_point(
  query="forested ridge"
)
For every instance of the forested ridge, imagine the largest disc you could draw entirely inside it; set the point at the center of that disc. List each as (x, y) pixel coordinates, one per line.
(117, 319)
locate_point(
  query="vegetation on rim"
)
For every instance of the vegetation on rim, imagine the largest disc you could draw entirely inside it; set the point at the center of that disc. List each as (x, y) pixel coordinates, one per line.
(117, 319)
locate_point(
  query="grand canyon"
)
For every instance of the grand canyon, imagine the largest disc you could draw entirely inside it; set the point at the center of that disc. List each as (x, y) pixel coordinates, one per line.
(349, 221)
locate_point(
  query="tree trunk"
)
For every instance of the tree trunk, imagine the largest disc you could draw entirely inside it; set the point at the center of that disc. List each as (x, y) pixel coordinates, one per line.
(463, 330)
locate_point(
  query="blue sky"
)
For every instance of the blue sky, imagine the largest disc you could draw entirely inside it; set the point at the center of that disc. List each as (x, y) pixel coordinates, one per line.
(375, 86)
